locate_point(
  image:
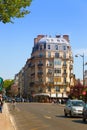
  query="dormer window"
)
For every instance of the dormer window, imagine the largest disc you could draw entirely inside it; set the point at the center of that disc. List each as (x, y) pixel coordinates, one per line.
(56, 47)
(48, 46)
(64, 47)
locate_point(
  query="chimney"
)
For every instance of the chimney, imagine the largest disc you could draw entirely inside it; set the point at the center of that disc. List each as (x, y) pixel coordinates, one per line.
(66, 37)
(38, 38)
(35, 41)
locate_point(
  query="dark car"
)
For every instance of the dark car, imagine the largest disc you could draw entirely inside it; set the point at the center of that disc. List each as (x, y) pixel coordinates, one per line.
(85, 112)
(18, 99)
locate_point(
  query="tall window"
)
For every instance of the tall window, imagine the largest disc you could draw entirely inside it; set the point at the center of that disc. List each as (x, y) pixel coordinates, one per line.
(56, 55)
(57, 71)
(57, 62)
(49, 54)
(64, 63)
(64, 80)
(40, 47)
(56, 47)
(64, 55)
(57, 88)
(48, 46)
(40, 54)
(64, 47)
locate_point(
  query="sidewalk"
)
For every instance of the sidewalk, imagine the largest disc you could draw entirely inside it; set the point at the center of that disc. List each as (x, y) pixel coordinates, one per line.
(5, 121)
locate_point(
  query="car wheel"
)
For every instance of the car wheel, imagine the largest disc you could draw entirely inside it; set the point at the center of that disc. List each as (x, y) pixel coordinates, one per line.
(70, 114)
(65, 113)
(84, 119)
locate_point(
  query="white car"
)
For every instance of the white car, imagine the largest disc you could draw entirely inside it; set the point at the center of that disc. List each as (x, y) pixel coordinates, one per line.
(74, 107)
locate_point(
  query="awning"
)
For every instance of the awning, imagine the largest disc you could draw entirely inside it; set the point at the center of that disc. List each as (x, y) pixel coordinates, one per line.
(42, 94)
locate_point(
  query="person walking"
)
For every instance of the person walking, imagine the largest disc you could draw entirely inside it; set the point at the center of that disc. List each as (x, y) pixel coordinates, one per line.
(1, 105)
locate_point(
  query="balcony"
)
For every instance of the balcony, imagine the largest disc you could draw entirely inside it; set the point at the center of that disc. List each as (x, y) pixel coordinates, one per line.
(64, 74)
(31, 83)
(40, 64)
(49, 65)
(64, 65)
(32, 65)
(32, 74)
(40, 73)
(33, 57)
(71, 67)
(71, 75)
(49, 74)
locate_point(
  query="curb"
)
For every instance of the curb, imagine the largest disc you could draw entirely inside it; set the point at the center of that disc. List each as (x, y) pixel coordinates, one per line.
(8, 115)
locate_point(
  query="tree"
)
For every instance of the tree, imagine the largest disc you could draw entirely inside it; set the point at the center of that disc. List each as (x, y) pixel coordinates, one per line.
(10, 9)
(76, 91)
(14, 90)
(7, 85)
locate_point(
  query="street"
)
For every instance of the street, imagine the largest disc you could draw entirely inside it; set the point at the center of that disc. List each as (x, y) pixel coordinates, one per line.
(44, 116)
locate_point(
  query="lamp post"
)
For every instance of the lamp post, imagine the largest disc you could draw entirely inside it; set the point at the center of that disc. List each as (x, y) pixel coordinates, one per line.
(83, 64)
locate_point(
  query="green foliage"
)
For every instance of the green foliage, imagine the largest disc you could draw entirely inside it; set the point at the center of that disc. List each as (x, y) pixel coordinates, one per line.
(10, 9)
(7, 83)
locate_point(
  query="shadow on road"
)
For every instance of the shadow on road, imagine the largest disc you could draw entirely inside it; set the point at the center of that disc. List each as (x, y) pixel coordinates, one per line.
(62, 116)
(74, 119)
(79, 121)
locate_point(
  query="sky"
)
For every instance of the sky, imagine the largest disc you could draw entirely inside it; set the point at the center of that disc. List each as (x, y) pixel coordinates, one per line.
(46, 17)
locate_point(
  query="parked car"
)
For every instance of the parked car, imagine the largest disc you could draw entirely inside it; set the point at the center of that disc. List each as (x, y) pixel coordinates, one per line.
(18, 99)
(85, 113)
(74, 107)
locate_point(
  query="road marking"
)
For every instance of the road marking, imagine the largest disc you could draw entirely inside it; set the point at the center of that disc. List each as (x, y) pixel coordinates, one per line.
(48, 117)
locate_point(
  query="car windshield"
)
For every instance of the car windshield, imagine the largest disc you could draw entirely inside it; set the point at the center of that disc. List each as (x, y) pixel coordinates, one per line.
(77, 103)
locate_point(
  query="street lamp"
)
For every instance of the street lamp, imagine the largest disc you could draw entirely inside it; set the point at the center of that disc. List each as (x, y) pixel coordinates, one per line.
(83, 64)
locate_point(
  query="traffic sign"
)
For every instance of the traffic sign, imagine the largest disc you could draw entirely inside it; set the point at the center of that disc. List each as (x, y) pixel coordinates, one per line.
(1, 83)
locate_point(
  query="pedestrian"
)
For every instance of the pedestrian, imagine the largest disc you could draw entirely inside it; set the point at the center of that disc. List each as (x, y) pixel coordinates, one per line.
(1, 105)
(13, 104)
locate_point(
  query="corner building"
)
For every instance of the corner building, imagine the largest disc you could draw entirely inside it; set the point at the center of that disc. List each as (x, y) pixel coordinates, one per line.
(51, 67)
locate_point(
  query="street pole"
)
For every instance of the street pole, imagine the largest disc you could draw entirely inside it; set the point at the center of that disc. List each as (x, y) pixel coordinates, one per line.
(83, 64)
(83, 69)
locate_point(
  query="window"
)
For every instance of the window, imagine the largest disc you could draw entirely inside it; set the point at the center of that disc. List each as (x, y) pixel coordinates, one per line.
(64, 80)
(58, 71)
(57, 88)
(64, 71)
(40, 47)
(64, 47)
(40, 62)
(56, 55)
(41, 55)
(64, 55)
(64, 63)
(57, 62)
(48, 46)
(56, 47)
(57, 80)
(49, 89)
(50, 79)
(49, 54)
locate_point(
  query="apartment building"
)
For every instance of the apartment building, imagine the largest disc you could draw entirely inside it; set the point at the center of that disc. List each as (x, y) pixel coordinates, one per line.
(51, 67)
(49, 70)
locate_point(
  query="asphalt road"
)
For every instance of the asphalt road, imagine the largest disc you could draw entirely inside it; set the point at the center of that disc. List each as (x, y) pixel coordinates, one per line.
(44, 116)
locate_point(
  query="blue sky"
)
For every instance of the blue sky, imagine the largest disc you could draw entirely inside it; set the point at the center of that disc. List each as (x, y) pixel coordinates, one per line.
(49, 18)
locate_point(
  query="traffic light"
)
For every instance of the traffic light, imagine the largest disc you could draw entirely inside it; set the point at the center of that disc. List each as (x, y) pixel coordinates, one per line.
(1, 83)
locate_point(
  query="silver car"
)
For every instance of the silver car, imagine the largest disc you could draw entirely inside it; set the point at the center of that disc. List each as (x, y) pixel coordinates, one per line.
(74, 107)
